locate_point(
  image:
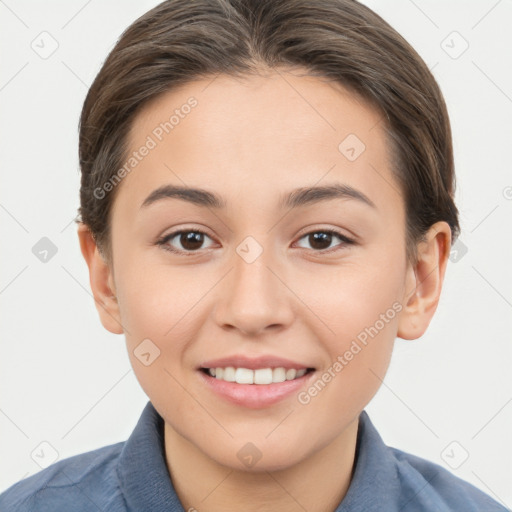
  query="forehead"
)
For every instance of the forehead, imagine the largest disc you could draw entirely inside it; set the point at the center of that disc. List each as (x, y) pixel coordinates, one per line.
(259, 134)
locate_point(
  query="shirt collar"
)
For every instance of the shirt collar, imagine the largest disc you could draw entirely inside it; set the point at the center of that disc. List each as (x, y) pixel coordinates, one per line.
(375, 482)
(146, 484)
(142, 471)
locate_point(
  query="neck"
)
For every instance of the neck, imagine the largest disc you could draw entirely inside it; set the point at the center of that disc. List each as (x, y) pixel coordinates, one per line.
(317, 483)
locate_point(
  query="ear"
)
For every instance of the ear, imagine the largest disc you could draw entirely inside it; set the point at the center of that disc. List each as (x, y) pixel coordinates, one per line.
(424, 282)
(102, 282)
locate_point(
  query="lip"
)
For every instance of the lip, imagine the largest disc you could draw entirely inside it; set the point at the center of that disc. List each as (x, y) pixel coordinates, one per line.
(253, 363)
(254, 396)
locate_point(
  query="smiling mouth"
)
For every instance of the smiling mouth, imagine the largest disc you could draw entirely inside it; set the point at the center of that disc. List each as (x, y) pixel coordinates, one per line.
(260, 376)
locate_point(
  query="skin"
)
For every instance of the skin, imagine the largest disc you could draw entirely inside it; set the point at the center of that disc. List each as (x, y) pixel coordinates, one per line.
(251, 140)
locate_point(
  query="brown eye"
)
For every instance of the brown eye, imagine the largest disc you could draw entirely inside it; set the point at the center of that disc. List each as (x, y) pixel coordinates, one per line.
(190, 241)
(321, 240)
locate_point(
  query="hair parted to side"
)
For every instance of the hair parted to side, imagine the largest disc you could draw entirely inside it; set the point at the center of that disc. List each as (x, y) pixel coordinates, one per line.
(342, 40)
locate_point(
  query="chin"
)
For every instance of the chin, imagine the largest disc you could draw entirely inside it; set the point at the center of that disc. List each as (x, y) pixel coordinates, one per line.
(254, 458)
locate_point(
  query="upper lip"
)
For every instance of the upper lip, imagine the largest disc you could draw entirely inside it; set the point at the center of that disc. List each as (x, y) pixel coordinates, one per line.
(253, 363)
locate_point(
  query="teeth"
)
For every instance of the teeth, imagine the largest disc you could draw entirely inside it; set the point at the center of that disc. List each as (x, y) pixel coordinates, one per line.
(229, 374)
(278, 375)
(260, 376)
(244, 376)
(291, 374)
(263, 376)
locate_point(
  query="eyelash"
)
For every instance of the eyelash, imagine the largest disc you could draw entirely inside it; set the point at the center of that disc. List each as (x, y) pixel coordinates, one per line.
(163, 241)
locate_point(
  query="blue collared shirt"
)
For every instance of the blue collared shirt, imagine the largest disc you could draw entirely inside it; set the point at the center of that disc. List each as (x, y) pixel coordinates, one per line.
(132, 476)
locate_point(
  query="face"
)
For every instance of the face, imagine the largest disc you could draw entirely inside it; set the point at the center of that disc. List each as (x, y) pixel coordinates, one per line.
(268, 278)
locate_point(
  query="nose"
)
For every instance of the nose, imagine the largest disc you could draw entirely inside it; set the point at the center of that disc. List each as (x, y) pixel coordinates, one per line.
(254, 297)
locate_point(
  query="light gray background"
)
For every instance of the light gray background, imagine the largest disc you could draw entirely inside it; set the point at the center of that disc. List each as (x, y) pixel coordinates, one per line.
(66, 381)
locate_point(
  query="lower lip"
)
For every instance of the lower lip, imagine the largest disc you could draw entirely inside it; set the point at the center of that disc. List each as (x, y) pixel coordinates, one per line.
(255, 396)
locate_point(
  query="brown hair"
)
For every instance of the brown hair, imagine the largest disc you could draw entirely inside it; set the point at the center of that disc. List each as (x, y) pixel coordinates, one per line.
(342, 40)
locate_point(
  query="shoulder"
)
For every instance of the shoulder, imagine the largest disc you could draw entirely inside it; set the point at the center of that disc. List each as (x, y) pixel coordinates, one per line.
(429, 486)
(81, 482)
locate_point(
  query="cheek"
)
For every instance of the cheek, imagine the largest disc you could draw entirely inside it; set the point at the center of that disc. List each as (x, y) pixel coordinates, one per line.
(164, 305)
(358, 355)
(344, 300)
(156, 300)
(157, 309)
(356, 313)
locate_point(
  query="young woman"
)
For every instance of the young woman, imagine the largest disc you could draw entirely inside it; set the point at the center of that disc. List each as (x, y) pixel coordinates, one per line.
(266, 204)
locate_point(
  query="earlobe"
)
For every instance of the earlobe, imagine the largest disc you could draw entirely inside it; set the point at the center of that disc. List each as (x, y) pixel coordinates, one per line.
(424, 282)
(101, 281)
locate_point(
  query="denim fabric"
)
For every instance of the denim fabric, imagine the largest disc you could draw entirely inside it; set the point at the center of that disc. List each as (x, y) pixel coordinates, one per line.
(132, 476)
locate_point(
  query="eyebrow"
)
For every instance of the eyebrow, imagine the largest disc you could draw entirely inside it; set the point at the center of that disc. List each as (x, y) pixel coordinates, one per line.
(296, 198)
